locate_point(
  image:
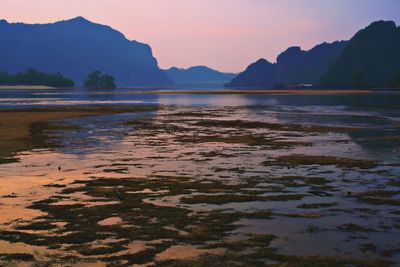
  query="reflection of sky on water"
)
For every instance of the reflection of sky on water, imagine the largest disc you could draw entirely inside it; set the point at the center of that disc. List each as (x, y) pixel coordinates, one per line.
(375, 139)
(99, 133)
(305, 102)
(203, 100)
(378, 112)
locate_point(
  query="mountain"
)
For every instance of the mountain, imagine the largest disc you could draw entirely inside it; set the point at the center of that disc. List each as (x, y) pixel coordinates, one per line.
(257, 75)
(296, 66)
(199, 76)
(75, 48)
(370, 59)
(293, 66)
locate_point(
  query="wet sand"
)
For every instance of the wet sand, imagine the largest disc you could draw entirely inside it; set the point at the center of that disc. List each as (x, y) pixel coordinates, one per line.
(16, 126)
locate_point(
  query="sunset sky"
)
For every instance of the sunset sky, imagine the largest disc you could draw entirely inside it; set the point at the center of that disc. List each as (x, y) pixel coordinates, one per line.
(223, 34)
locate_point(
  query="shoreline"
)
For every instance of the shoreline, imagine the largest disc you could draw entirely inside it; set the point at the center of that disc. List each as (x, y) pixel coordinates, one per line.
(197, 91)
(267, 91)
(230, 92)
(27, 87)
(17, 133)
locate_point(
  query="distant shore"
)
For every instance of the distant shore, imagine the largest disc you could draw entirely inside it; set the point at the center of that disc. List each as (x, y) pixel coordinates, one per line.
(177, 91)
(266, 91)
(25, 87)
(168, 91)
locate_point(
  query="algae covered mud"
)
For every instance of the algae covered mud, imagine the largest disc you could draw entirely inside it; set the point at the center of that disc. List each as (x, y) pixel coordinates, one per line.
(205, 180)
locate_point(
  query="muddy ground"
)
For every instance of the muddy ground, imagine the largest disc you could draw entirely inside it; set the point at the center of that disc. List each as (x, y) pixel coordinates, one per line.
(201, 187)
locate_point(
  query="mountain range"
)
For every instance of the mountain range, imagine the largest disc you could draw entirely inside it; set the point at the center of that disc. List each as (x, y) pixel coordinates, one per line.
(75, 48)
(370, 59)
(199, 77)
(293, 66)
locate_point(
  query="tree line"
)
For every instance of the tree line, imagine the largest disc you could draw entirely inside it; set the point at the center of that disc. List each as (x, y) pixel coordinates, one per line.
(34, 77)
(95, 80)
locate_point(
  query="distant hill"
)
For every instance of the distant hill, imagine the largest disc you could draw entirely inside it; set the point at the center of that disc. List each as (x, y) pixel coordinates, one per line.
(199, 76)
(293, 66)
(370, 59)
(259, 74)
(75, 48)
(296, 66)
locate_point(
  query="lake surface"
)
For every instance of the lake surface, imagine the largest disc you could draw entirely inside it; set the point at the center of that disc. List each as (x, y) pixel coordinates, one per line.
(256, 179)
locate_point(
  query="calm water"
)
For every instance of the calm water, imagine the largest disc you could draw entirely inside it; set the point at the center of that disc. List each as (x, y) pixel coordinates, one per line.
(336, 211)
(388, 101)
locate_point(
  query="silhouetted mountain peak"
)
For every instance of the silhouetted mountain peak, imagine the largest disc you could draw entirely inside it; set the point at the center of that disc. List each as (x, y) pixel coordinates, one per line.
(81, 22)
(80, 19)
(289, 54)
(382, 24)
(202, 68)
(378, 27)
(262, 61)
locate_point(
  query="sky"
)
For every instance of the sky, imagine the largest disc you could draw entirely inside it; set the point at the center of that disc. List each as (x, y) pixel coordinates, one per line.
(226, 35)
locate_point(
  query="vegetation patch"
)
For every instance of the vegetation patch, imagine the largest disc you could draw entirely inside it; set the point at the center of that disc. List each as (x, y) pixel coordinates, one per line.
(273, 126)
(250, 140)
(351, 227)
(303, 215)
(301, 159)
(379, 197)
(317, 205)
(16, 257)
(224, 198)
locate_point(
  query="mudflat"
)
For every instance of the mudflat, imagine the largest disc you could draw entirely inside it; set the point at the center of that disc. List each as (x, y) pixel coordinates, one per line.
(25, 87)
(194, 186)
(17, 131)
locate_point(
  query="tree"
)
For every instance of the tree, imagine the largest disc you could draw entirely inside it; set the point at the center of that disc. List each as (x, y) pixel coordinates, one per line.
(97, 80)
(5, 78)
(108, 81)
(93, 80)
